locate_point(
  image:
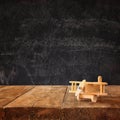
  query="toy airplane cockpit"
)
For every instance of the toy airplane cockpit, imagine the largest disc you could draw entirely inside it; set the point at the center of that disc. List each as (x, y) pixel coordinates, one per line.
(88, 90)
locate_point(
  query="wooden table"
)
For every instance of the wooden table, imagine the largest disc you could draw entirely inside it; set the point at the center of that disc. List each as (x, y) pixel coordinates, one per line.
(56, 103)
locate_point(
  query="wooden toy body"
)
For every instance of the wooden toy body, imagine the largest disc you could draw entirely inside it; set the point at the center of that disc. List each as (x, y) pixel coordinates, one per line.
(91, 90)
(92, 97)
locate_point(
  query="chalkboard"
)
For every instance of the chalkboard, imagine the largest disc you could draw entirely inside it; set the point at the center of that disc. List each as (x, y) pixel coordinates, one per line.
(53, 42)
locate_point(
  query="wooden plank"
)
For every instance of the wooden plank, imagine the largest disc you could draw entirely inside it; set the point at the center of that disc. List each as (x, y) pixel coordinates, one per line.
(41, 96)
(2, 114)
(55, 103)
(32, 113)
(9, 93)
(2, 86)
(113, 90)
(42, 102)
(91, 114)
(106, 108)
(105, 101)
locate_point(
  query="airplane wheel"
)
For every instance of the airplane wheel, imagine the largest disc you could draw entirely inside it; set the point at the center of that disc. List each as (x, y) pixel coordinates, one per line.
(94, 98)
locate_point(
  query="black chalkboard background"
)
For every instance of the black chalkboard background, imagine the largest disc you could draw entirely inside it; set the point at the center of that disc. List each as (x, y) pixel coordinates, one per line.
(55, 41)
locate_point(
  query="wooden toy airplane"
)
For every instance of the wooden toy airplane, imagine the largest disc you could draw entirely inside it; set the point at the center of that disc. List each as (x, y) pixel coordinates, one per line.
(88, 90)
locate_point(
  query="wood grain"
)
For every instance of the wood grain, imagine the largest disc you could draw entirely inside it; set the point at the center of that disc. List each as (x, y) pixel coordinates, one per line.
(56, 103)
